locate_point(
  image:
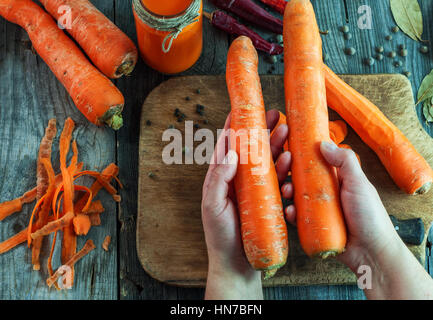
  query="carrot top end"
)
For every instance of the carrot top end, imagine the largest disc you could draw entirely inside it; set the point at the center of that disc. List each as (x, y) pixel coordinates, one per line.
(113, 117)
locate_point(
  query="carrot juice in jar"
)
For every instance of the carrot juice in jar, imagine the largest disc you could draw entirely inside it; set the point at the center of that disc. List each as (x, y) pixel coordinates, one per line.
(169, 32)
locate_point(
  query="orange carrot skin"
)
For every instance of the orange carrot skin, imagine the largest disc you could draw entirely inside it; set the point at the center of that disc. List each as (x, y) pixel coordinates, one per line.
(112, 52)
(263, 228)
(93, 93)
(338, 128)
(9, 207)
(320, 222)
(12, 242)
(409, 170)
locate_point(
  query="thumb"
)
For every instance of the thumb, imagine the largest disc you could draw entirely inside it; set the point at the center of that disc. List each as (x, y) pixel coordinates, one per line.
(226, 171)
(218, 185)
(343, 159)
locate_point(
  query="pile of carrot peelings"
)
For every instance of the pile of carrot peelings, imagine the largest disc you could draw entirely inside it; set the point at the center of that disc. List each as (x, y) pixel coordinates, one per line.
(61, 205)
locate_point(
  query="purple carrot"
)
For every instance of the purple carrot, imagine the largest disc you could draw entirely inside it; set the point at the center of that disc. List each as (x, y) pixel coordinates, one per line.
(252, 13)
(223, 21)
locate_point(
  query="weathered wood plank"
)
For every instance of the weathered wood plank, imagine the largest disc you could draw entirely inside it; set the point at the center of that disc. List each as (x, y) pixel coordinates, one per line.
(415, 62)
(382, 22)
(29, 96)
(134, 282)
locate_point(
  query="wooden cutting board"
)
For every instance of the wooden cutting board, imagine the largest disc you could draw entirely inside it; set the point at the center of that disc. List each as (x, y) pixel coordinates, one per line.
(170, 237)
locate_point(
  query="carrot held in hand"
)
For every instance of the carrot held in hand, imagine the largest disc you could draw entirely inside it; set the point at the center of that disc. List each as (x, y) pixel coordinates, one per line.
(263, 228)
(409, 170)
(110, 50)
(320, 221)
(93, 93)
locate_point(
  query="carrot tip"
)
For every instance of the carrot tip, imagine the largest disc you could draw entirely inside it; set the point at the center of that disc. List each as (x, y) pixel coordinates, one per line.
(113, 117)
(424, 189)
(328, 254)
(270, 273)
(127, 65)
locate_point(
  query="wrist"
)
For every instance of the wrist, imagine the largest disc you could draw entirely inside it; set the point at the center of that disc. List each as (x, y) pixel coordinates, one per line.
(232, 279)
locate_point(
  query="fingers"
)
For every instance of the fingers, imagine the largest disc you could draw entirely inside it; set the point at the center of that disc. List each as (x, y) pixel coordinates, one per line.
(290, 214)
(278, 140)
(215, 196)
(343, 159)
(282, 166)
(287, 190)
(272, 118)
(220, 151)
(289, 211)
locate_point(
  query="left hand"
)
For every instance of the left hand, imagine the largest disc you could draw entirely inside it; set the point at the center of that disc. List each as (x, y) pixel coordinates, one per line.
(227, 260)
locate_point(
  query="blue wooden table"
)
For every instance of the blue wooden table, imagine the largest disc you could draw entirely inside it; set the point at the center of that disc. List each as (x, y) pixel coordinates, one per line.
(30, 95)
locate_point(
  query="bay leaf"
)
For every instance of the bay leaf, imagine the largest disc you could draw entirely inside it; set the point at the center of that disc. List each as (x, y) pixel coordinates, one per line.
(426, 111)
(408, 16)
(425, 91)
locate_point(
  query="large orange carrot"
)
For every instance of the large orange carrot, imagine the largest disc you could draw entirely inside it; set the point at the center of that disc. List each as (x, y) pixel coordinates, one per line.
(409, 170)
(264, 231)
(111, 51)
(93, 93)
(320, 221)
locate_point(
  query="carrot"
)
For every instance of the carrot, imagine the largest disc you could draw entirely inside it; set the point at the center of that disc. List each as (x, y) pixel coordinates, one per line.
(338, 129)
(9, 207)
(409, 170)
(93, 93)
(83, 205)
(94, 212)
(44, 152)
(44, 212)
(95, 207)
(81, 224)
(45, 183)
(320, 222)
(69, 241)
(53, 226)
(110, 50)
(88, 247)
(12, 242)
(106, 243)
(263, 228)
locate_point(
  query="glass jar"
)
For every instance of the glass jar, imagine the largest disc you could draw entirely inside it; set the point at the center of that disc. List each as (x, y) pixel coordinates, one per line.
(169, 41)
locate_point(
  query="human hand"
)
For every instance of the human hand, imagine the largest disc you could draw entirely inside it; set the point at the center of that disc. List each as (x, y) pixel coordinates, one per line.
(230, 274)
(370, 231)
(372, 240)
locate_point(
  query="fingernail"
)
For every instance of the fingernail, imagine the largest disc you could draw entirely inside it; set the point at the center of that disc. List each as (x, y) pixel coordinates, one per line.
(329, 146)
(231, 157)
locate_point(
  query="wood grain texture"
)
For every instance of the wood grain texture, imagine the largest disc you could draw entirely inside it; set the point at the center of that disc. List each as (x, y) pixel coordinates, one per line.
(25, 82)
(134, 282)
(29, 96)
(170, 238)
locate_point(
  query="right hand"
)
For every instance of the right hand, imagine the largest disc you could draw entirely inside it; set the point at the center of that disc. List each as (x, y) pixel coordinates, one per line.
(370, 230)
